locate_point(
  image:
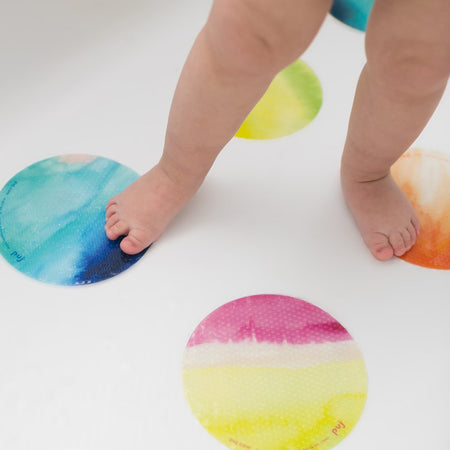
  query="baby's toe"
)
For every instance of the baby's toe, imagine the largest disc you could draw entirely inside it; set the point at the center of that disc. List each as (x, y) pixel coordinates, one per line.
(111, 221)
(380, 247)
(134, 243)
(397, 241)
(116, 229)
(412, 232)
(113, 209)
(112, 201)
(416, 224)
(407, 239)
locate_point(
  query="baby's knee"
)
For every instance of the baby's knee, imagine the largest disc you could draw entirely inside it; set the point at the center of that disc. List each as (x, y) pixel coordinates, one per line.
(255, 34)
(409, 67)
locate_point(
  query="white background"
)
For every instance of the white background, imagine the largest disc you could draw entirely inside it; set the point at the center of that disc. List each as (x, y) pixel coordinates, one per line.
(99, 367)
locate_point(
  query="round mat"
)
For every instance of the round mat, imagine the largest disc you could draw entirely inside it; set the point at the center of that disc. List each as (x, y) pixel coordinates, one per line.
(291, 102)
(271, 372)
(52, 218)
(425, 179)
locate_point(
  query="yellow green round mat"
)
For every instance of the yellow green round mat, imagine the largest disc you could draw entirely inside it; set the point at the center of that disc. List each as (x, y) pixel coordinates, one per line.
(290, 103)
(270, 372)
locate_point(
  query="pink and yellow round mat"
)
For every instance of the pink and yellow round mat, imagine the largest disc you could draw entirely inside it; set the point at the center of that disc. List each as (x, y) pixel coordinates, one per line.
(271, 372)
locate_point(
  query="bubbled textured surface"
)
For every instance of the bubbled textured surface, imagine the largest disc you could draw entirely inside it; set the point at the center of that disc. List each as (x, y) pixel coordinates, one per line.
(271, 372)
(52, 217)
(424, 176)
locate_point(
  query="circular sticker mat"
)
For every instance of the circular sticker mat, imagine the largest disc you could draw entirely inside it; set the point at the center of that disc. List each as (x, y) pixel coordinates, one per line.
(271, 372)
(425, 179)
(52, 217)
(354, 13)
(291, 102)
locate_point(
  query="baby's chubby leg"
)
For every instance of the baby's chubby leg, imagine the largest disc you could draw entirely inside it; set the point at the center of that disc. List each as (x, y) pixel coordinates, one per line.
(408, 65)
(243, 45)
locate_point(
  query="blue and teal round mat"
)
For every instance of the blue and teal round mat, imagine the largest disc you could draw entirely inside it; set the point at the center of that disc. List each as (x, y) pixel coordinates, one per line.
(52, 217)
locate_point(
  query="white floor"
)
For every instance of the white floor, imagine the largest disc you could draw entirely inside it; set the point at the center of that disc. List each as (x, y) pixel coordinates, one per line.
(99, 367)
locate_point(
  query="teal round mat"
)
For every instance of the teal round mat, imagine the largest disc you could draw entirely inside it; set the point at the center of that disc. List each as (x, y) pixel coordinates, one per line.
(52, 217)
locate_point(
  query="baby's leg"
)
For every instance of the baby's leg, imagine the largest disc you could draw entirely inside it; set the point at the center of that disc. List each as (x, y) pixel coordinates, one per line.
(244, 44)
(408, 65)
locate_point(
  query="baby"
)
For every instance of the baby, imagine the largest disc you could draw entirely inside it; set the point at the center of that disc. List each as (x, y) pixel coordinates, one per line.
(243, 45)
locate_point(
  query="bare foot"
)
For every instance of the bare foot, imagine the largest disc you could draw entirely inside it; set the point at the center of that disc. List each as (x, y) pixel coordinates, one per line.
(383, 214)
(144, 209)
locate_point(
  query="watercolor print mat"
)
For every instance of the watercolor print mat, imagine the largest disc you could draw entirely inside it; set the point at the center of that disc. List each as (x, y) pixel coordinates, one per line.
(354, 13)
(291, 102)
(425, 178)
(52, 220)
(271, 372)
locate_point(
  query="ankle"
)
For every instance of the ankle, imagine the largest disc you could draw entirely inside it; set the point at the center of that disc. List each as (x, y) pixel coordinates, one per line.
(351, 174)
(184, 178)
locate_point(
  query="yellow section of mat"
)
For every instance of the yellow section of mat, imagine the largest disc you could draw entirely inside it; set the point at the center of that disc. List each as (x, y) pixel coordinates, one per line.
(290, 103)
(278, 408)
